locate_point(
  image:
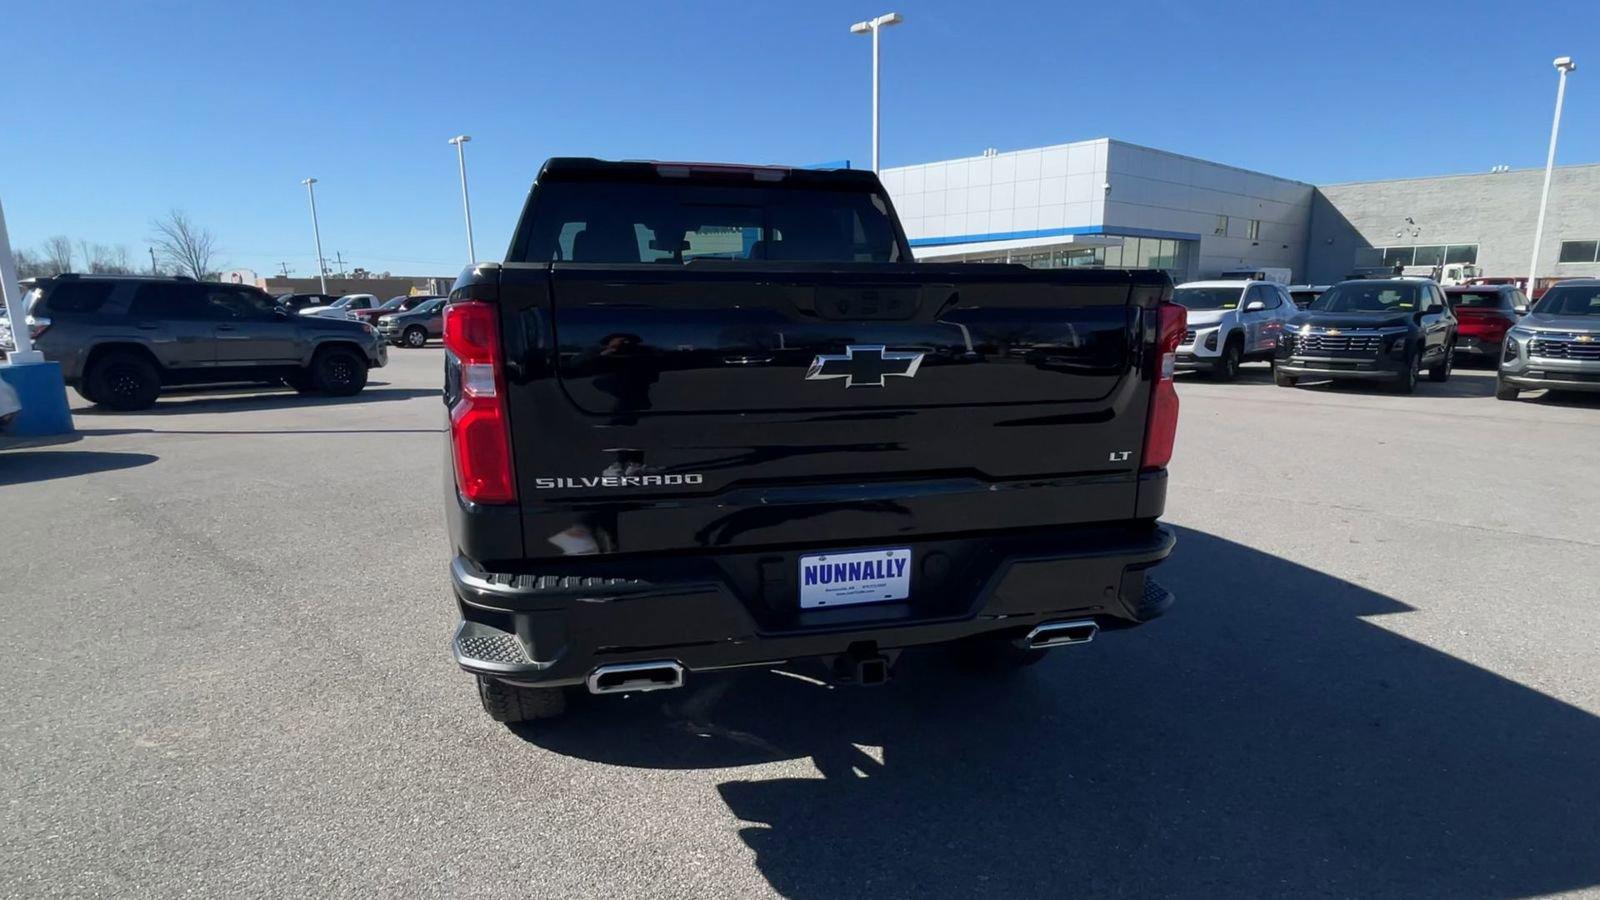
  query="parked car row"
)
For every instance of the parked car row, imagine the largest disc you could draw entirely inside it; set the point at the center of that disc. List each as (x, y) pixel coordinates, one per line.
(1396, 329)
(408, 320)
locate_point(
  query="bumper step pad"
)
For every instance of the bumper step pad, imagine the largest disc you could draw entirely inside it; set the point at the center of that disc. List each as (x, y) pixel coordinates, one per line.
(481, 647)
(1154, 601)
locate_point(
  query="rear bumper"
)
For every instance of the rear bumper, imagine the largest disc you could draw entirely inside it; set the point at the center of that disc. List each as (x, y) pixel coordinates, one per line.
(1476, 346)
(553, 628)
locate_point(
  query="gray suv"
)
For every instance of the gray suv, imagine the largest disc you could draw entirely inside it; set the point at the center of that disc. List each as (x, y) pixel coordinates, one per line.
(413, 327)
(1557, 345)
(121, 338)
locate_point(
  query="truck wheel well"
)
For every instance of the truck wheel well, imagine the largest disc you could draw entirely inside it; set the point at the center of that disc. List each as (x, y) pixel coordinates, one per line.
(327, 346)
(99, 351)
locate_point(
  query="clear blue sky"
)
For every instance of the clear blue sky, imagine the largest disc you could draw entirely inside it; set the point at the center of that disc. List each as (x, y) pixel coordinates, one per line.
(118, 111)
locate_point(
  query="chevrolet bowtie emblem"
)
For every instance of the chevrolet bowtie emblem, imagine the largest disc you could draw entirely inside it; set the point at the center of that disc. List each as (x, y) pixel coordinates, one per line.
(864, 365)
(1334, 331)
(1585, 338)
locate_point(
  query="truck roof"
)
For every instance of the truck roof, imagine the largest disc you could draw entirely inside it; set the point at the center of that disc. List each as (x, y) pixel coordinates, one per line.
(582, 168)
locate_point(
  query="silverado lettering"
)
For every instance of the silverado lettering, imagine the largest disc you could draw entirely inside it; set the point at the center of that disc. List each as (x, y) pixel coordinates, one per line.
(699, 320)
(613, 481)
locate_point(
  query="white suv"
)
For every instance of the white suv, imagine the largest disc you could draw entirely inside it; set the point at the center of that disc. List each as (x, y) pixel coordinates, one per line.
(1231, 322)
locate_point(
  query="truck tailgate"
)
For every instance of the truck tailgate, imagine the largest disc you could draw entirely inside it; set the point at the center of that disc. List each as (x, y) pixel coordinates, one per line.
(686, 407)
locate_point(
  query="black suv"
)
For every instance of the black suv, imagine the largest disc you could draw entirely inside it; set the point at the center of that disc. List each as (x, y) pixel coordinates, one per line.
(121, 338)
(1384, 329)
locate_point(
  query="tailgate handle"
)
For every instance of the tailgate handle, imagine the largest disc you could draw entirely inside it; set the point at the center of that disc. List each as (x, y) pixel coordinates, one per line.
(747, 360)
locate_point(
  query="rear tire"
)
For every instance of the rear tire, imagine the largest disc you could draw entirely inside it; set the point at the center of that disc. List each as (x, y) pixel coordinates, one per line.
(339, 371)
(510, 703)
(1282, 379)
(1503, 391)
(416, 337)
(1441, 372)
(123, 380)
(991, 654)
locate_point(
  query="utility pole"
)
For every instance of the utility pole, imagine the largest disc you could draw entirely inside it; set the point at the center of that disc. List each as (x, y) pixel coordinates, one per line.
(338, 259)
(285, 267)
(152, 260)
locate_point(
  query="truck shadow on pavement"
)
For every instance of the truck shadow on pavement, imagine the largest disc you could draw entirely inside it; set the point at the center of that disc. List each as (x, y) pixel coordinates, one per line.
(235, 399)
(1263, 738)
(23, 466)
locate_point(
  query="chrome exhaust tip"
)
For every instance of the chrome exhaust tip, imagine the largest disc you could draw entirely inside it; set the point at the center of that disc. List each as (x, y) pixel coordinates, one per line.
(618, 678)
(1060, 634)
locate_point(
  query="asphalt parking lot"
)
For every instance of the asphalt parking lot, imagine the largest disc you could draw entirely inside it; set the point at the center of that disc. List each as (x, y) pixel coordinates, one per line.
(226, 674)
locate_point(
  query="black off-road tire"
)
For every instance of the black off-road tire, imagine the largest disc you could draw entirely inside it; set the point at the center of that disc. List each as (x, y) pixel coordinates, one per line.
(510, 703)
(415, 337)
(123, 380)
(1503, 391)
(338, 371)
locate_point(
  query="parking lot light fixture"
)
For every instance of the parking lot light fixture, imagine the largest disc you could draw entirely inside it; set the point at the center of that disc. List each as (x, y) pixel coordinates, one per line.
(316, 232)
(460, 141)
(873, 26)
(1564, 65)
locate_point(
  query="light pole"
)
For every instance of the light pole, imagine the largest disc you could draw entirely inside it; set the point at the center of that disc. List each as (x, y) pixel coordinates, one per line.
(1564, 65)
(11, 293)
(873, 26)
(460, 141)
(316, 231)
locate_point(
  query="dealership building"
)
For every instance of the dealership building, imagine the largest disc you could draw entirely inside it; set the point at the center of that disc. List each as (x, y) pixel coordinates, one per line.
(1108, 202)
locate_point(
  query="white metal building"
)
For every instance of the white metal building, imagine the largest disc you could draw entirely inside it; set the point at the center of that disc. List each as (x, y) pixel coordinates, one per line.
(1102, 202)
(1107, 202)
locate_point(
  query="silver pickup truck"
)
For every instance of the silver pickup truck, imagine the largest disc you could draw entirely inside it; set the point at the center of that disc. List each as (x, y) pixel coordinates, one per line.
(1555, 346)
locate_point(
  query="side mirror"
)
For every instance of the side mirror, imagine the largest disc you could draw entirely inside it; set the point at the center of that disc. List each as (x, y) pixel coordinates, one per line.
(1435, 309)
(1254, 306)
(1520, 310)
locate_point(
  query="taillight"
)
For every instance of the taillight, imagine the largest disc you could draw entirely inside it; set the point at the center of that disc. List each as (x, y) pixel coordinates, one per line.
(1162, 428)
(480, 435)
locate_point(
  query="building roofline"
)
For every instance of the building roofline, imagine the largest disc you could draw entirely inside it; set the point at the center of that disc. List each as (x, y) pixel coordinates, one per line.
(1459, 175)
(1211, 162)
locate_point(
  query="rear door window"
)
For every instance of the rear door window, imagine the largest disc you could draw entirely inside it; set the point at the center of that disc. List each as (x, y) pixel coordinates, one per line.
(234, 304)
(168, 301)
(78, 297)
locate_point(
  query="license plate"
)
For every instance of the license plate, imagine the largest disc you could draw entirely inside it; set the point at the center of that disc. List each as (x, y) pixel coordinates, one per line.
(846, 579)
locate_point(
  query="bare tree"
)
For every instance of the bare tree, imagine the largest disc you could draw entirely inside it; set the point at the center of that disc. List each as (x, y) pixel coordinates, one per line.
(29, 265)
(105, 259)
(57, 253)
(187, 247)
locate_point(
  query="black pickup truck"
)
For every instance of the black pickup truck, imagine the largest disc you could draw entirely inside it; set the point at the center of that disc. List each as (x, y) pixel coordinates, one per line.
(706, 417)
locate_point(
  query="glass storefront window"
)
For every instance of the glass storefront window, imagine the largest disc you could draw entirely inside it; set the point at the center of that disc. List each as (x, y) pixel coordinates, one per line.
(1428, 256)
(1397, 256)
(1461, 253)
